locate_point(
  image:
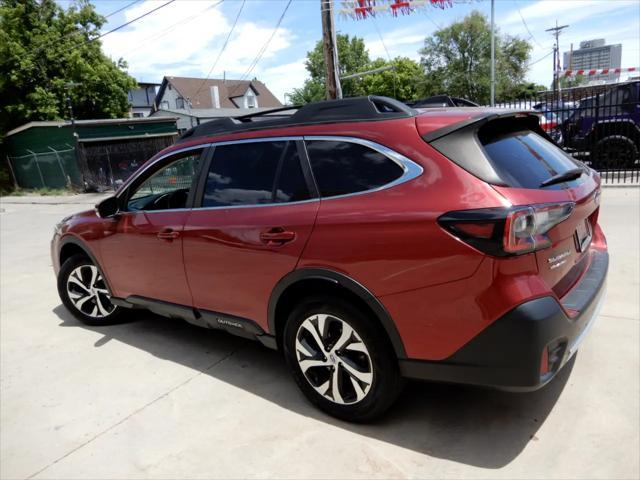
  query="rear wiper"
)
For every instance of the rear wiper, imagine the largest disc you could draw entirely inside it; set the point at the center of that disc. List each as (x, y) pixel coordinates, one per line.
(563, 177)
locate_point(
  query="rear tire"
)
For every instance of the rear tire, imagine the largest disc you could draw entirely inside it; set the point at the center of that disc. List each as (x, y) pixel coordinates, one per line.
(84, 292)
(614, 151)
(354, 374)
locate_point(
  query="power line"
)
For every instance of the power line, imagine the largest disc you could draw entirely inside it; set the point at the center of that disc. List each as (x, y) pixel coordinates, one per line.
(224, 46)
(262, 50)
(162, 33)
(529, 31)
(74, 32)
(540, 59)
(131, 21)
(121, 9)
(395, 74)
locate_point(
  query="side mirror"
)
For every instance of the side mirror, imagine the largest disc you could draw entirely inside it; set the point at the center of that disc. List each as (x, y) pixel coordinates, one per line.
(107, 207)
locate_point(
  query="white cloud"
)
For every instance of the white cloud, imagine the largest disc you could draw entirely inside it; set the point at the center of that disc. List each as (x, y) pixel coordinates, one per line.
(399, 42)
(185, 38)
(283, 79)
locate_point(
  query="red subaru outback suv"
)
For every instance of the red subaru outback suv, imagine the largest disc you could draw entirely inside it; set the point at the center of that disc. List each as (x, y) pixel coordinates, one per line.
(366, 240)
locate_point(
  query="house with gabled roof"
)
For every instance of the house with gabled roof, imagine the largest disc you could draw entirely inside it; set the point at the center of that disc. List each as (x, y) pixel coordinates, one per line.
(177, 93)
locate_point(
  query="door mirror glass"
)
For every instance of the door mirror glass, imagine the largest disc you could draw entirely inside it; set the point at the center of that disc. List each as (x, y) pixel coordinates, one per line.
(107, 207)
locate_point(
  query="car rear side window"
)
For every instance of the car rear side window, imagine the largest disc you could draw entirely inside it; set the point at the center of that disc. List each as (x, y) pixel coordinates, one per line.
(254, 173)
(524, 158)
(341, 168)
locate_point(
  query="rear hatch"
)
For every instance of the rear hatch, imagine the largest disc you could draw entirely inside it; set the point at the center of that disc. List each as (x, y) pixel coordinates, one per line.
(544, 185)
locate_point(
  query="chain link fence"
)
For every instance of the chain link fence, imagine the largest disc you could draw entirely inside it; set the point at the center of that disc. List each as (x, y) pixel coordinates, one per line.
(54, 169)
(97, 166)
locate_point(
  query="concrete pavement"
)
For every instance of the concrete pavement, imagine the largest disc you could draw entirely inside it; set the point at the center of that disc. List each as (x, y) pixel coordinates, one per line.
(158, 398)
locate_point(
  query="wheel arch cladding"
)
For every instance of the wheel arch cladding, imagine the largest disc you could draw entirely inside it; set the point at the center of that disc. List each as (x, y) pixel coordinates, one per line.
(69, 249)
(70, 246)
(307, 282)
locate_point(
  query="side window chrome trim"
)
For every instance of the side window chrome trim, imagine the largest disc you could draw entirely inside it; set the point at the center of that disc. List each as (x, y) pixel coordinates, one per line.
(202, 146)
(410, 168)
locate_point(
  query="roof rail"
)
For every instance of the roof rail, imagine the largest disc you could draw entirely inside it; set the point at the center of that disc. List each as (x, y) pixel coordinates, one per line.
(354, 109)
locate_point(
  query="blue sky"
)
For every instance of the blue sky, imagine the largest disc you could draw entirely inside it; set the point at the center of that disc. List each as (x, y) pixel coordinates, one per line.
(184, 38)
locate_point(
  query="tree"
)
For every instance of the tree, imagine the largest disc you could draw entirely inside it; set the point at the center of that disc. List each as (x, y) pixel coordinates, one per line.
(44, 49)
(353, 57)
(527, 90)
(405, 82)
(457, 61)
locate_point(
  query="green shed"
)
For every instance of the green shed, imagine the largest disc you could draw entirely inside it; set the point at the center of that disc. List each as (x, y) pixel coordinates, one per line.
(101, 154)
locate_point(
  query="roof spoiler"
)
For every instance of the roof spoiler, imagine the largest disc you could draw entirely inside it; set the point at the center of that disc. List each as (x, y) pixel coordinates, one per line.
(476, 122)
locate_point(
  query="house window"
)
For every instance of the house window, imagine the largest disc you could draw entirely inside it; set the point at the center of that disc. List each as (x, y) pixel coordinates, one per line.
(164, 105)
(179, 102)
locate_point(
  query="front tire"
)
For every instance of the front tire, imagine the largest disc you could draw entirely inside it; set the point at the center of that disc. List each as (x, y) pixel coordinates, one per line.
(341, 359)
(84, 292)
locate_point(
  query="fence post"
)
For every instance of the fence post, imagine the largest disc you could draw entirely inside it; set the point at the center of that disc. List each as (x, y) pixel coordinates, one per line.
(13, 173)
(35, 159)
(110, 168)
(64, 174)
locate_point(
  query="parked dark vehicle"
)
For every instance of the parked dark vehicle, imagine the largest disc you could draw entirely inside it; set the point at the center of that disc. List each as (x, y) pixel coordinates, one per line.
(367, 241)
(607, 127)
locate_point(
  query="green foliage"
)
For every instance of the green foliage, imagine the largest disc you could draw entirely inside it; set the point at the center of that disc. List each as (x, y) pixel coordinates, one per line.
(353, 57)
(527, 90)
(43, 48)
(405, 82)
(457, 61)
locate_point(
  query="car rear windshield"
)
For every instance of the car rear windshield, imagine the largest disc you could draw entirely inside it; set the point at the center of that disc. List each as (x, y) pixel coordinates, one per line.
(511, 150)
(523, 158)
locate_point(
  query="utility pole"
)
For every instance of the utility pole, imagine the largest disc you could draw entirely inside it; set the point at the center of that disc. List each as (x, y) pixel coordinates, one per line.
(556, 55)
(68, 86)
(493, 55)
(330, 50)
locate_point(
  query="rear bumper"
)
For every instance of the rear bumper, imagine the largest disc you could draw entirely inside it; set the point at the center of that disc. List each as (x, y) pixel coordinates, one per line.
(508, 353)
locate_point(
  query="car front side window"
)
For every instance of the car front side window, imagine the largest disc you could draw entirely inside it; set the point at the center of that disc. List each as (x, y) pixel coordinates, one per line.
(169, 187)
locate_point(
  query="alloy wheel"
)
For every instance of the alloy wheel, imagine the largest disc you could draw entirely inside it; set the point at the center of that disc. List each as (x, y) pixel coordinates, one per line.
(334, 359)
(88, 292)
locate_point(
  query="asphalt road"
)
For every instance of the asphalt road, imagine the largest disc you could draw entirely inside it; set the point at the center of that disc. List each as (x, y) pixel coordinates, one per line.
(158, 398)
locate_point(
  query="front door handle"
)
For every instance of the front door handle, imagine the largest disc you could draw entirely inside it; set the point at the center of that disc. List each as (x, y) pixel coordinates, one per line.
(168, 234)
(277, 236)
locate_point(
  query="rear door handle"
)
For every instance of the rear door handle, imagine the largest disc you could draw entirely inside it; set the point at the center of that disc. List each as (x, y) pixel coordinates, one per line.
(168, 234)
(277, 236)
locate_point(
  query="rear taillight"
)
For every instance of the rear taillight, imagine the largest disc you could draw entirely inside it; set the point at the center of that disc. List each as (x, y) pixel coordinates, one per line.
(507, 231)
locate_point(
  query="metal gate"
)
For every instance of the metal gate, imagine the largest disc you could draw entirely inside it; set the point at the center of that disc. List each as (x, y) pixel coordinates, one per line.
(106, 164)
